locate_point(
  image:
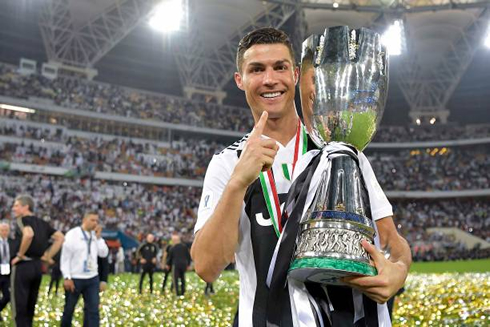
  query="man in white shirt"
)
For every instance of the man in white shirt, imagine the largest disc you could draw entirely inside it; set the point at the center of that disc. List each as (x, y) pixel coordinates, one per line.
(5, 245)
(79, 254)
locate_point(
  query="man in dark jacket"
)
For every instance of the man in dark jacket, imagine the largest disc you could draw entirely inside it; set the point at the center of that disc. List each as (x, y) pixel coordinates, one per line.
(179, 259)
(147, 254)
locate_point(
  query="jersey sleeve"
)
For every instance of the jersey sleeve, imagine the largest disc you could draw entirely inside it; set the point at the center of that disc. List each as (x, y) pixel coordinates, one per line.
(380, 206)
(216, 178)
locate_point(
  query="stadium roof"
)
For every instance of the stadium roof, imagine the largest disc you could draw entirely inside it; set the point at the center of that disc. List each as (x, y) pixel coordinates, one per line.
(445, 65)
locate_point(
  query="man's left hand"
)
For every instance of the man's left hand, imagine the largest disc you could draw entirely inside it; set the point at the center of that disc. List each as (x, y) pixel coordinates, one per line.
(15, 261)
(391, 277)
(102, 286)
(98, 231)
(154, 261)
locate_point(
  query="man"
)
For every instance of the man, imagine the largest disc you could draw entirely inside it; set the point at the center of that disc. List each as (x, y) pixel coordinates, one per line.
(164, 264)
(179, 260)
(5, 246)
(239, 214)
(32, 241)
(147, 254)
(82, 247)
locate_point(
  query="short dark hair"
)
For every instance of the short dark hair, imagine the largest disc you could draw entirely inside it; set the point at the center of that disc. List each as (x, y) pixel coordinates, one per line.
(25, 200)
(264, 35)
(90, 213)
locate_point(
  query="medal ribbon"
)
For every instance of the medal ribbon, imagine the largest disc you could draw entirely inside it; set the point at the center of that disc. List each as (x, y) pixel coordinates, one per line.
(269, 185)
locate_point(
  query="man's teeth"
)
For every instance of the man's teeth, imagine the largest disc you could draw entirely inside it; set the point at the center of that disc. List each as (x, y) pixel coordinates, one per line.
(271, 95)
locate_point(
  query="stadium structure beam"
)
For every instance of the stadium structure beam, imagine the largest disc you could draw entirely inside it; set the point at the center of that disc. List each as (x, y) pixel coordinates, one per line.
(378, 6)
(428, 92)
(83, 46)
(211, 69)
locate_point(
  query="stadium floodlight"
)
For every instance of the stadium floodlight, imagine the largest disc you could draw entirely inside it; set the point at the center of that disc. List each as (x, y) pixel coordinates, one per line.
(392, 38)
(335, 5)
(432, 121)
(16, 108)
(486, 42)
(168, 16)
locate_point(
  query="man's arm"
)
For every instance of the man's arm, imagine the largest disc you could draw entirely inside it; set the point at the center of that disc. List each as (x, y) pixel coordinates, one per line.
(65, 265)
(27, 236)
(58, 239)
(392, 272)
(102, 249)
(215, 243)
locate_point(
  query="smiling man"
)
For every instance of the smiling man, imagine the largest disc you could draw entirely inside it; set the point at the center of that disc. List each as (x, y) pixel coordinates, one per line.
(247, 183)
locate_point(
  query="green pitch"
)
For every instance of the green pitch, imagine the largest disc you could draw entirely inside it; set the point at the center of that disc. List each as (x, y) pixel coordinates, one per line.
(461, 266)
(430, 299)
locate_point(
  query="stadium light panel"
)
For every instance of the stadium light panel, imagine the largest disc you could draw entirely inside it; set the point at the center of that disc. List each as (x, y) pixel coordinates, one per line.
(486, 42)
(17, 108)
(392, 38)
(168, 16)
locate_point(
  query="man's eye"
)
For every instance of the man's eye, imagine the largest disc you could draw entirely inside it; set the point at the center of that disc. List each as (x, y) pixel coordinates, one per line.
(256, 70)
(282, 67)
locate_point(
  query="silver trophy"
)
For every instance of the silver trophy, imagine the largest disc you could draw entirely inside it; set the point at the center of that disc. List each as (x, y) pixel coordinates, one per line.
(343, 88)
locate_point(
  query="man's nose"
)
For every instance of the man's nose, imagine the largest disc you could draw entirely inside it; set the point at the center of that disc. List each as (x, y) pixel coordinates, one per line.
(270, 77)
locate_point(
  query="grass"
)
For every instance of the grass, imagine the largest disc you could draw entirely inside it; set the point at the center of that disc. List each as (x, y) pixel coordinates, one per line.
(431, 298)
(461, 266)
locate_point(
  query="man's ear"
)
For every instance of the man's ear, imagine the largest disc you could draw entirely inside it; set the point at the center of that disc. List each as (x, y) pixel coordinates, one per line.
(238, 80)
(296, 75)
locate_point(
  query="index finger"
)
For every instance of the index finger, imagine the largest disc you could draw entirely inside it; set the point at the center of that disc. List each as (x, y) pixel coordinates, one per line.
(259, 127)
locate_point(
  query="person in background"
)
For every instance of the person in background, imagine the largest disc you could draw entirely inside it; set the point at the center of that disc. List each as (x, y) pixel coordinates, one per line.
(33, 236)
(79, 265)
(5, 256)
(147, 254)
(164, 264)
(179, 259)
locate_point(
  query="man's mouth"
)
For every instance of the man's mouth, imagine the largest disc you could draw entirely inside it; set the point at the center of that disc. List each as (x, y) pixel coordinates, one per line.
(271, 95)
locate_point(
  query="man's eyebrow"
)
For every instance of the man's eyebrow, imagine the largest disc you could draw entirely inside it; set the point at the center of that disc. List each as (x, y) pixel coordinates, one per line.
(281, 62)
(278, 62)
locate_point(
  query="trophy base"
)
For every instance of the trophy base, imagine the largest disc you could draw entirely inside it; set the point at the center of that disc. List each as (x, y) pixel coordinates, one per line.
(328, 270)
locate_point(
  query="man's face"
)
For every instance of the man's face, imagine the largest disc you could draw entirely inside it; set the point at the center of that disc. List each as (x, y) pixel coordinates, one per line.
(4, 230)
(150, 238)
(90, 222)
(20, 210)
(268, 78)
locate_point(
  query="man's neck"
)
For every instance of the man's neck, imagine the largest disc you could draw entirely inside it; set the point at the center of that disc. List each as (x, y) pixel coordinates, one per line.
(283, 129)
(85, 229)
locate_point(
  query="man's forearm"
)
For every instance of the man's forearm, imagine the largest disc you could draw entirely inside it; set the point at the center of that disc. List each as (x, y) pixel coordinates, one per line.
(58, 238)
(24, 246)
(214, 246)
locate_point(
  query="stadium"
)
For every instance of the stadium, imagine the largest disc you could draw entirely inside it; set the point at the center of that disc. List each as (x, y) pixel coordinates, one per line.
(118, 106)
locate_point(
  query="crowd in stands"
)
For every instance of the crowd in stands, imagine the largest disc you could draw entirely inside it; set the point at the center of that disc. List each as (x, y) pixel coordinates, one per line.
(71, 92)
(414, 217)
(457, 168)
(187, 159)
(424, 170)
(130, 207)
(413, 133)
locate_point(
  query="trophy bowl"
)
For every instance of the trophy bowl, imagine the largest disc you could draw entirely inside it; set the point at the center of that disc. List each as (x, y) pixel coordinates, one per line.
(343, 90)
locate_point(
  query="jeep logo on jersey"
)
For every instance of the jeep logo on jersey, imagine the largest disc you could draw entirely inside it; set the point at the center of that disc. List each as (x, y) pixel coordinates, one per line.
(259, 217)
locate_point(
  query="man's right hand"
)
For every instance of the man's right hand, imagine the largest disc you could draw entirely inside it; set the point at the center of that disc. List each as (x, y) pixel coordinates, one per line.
(142, 261)
(258, 155)
(69, 285)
